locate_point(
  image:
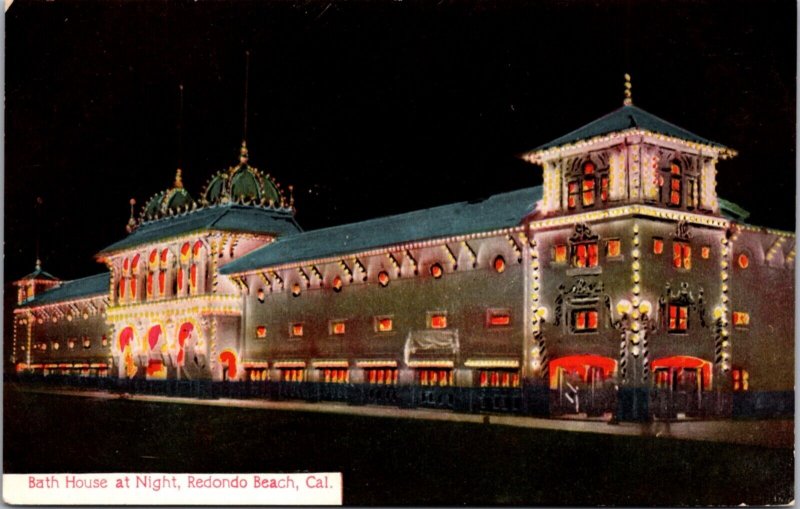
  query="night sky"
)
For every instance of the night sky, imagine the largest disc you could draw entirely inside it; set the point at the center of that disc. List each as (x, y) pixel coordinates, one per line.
(367, 108)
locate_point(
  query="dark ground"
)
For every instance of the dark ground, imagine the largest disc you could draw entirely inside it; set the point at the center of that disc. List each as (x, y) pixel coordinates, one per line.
(389, 461)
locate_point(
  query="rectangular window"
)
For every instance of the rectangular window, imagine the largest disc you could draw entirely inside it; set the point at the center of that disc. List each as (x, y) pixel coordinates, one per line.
(675, 191)
(257, 374)
(572, 196)
(658, 246)
(604, 188)
(681, 255)
(337, 327)
(584, 254)
(261, 331)
(560, 253)
(741, 379)
(588, 192)
(741, 319)
(613, 248)
(585, 320)
(381, 376)
(296, 330)
(335, 376)
(383, 324)
(437, 321)
(498, 378)
(293, 375)
(705, 252)
(678, 318)
(498, 318)
(435, 377)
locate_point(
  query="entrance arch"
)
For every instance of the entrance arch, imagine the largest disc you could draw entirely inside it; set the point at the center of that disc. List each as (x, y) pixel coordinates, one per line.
(680, 385)
(582, 384)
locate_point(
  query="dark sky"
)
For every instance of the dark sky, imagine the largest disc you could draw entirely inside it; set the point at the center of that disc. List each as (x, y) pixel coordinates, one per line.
(368, 108)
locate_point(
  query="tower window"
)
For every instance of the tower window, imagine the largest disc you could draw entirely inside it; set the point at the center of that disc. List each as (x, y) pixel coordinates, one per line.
(296, 330)
(584, 254)
(678, 318)
(337, 327)
(741, 318)
(658, 246)
(585, 320)
(437, 321)
(572, 194)
(675, 183)
(613, 248)
(560, 255)
(681, 255)
(383, 324)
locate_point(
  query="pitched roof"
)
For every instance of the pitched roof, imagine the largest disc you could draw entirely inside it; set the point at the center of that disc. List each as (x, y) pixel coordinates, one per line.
(233, 218)
(626, 117)
(75, 289)
(498, 211)
(38, 274)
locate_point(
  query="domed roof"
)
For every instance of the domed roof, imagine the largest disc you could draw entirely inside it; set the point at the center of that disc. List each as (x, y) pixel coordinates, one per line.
(169, 202)
(243, 184)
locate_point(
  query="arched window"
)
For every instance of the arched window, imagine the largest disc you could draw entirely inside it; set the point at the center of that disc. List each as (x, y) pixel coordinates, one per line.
(134, 279)
(151, 270)
(194, 270)
(162, 273)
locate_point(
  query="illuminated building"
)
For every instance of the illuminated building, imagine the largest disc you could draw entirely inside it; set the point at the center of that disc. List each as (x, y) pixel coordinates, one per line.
(621, 285)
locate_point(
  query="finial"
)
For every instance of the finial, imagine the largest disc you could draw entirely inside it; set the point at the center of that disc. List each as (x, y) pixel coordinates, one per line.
(291, 196)
(178, 180)
(38, 264)
(131, 222)
(243, 153)
(628, 101)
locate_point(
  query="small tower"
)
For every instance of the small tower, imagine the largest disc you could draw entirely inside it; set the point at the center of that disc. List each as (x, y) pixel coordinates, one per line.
(34, 284)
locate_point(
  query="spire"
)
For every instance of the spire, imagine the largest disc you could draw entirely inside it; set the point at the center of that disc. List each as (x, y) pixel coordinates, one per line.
(243, 155)
(132, 221)
(628, 101)
(38, 264)
(178, 180)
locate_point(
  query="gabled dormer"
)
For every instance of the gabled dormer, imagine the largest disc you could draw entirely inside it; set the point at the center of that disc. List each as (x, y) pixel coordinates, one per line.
(629, 156)
(35, 284)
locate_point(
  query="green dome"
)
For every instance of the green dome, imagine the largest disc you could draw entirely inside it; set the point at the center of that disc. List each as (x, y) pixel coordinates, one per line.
(153, 207)
(177, 199)
(243, 184)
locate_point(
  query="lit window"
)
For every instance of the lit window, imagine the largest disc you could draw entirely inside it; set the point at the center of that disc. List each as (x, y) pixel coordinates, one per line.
(337, 284)
(498, 318)
(613, 248)
(335, 376)
(743, 260)
(741, 318)
(434, 377)
(122, 285)
(293, 375)
(383, 324)
(438, 321)
(296, 289)
(193, 277)
(588, 191)
(678, 318)
(436, 271)
(604, 188)
(584, 254)
(498, 378)
(585, 320)
(572, 198)
(337, 328)
(153, 257)
(56, 345)
(261, 331)
(561, 253)
(675, 184)
(741, 379)
(125, 264)
(185, 252)
(705, 252)
(681, 255)
(296, 330)
(499, 264)
(658, 246)
(381, 376)
(383, 278)
(135, 264)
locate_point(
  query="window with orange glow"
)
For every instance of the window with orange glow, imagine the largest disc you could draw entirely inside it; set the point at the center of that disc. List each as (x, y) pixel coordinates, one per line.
(185, 252)
(122, 284)
(741, 380)
(585, 320)
(337, 284)
(560, 255)
(149, 287)
(588, 191)
(380, 376)
(261, 331)
(498, 318)
(438, 321)
(675, 184)
(335, 376)
(499, 264)
(681, 255)
(435, 377)
(436, 270)
(153, 257)
(705, 252)
(498, 378)
(293, 375)
(338, 328)
(743, 260)
(133, 283)
(658, 246)
(383, 324)
(613, 248)
(383, 278)
(741, 318)
(584, 255)
(678, 318)
(604, 188)
(572, 194)
(296, 330)
(296, 289)
(135, 264)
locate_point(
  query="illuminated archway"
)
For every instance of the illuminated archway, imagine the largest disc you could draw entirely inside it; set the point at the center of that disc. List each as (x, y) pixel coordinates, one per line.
(685, 362)
(153, 335)
(184, 333)
(581, 366)
(229, 357)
